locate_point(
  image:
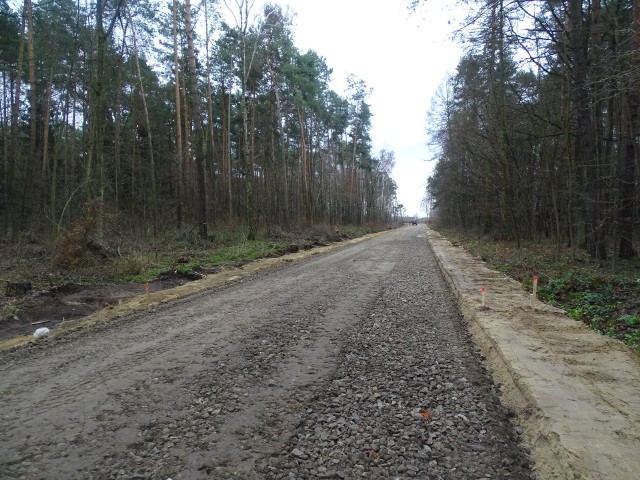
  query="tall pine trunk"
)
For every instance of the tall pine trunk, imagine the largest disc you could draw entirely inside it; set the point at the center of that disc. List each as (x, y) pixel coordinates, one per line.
(30, 164)
(210, 133)
(629, 130)
(94, 186)
(12, 221)
(147, 123)
(179, 151)
(199, 137)
(586, 153)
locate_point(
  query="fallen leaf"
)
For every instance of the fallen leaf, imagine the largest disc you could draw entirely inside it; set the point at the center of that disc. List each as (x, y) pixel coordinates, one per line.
(425, 414)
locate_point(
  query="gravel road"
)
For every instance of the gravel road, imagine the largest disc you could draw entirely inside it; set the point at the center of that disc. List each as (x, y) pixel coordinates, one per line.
(353, 364)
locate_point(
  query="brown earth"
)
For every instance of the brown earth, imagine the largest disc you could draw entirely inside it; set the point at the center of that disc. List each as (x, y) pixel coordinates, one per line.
(53, 306)
(577, 393)
(64, 302)
(70, 307)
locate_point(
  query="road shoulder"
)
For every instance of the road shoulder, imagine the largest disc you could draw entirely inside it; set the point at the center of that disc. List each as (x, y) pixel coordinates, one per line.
(147, 301)
(576, 393)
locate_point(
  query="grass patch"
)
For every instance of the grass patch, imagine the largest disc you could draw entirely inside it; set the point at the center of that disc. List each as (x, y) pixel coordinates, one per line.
(607, 301)
(191, 255)
(11, 309)
(143, 259)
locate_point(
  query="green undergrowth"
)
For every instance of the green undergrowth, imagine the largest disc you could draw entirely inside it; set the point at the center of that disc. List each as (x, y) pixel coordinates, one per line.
(143, 269)
(607, 301)
(143, 258)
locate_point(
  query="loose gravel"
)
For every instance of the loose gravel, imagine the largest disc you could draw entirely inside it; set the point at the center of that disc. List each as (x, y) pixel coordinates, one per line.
(410, 397)
(355, 364)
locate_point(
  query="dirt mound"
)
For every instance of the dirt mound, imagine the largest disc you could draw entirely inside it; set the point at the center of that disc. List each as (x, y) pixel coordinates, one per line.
(577, 393)
(50, 307)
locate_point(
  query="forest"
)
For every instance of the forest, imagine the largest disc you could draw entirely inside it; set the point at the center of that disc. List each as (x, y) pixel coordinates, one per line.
(538, 128)
(168, 116)
(176, 116)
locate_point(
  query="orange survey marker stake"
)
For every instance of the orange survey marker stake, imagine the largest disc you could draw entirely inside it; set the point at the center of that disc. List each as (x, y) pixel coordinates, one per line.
(483, 296)
(535, 287)
(146, 288)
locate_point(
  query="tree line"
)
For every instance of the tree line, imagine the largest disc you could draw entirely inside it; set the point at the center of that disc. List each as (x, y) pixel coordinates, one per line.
(178, 115)
(538, 128)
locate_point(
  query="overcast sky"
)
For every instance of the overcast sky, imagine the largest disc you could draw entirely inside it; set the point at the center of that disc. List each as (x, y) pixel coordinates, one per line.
(402, 56)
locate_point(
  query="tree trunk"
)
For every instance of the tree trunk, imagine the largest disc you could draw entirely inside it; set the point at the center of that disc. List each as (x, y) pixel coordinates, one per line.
(198, 148)
(70, 159)
(94, 180)
(302, 160)
(210, 133)
(283, 203)
(152, 163)
(117, 128)
(252, 156)
(6, 123)
(179, 154)
(54, 171)
(45, 126)
(585, 146)
(226, 149)
(15, 132)
(188, 174)
(45, 156)
(30, 165)
(352, 176)
(629, 130)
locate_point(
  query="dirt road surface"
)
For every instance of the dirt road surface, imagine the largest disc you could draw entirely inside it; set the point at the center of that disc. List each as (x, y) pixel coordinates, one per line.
(356, 363)
(352, 364)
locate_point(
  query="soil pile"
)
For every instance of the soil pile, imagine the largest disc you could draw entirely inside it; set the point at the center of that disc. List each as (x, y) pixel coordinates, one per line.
(577, 393)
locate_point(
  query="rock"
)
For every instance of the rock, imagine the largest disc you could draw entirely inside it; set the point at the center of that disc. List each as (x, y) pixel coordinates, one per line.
(41, 332)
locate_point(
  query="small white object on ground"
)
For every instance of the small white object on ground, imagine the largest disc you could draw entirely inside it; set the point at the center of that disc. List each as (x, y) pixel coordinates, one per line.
(41, 332)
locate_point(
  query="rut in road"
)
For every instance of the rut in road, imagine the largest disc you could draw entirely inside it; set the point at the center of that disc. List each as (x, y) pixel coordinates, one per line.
(326, 368)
